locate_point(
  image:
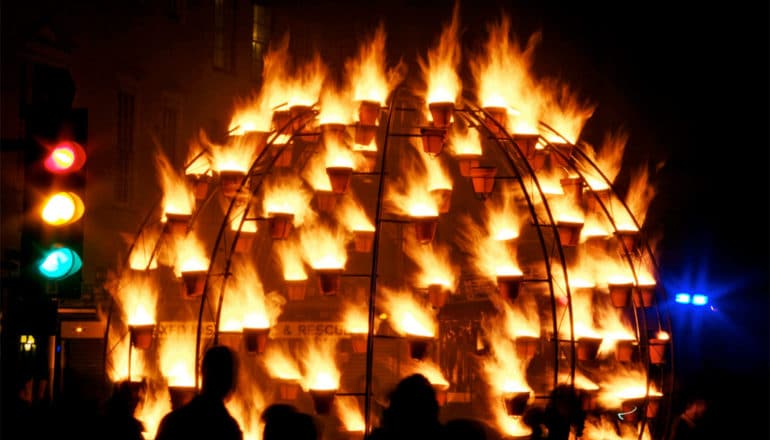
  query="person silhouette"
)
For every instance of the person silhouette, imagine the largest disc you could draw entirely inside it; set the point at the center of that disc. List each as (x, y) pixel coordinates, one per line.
(119, 422)
(205, 416)
(412, 412)
(283, 421)
(563, 413)
(465, 429)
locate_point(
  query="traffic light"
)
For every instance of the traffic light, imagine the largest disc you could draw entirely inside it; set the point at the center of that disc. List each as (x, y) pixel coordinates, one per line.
(52, 237)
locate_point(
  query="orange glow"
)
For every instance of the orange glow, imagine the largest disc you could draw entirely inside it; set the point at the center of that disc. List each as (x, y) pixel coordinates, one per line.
(490, 257)
(439, 70)
(434, 264)
(609, 160)
(198, 161)
(177, 197)
(320, 371)
(306, 83)
(624, 384)
(564, 111)
(280, 364)
(519, 319)
(287, 195)
(323, 247)
(638, 198)
(117, 364)
(464, 142)
(237, 154)
(603, 428)
(190, 255)
(352, 215)
(612, 327)
(429, 369)
(315, 173)
(369, 78)
(436, 171)
(251, 114)
(246, 304)
(564, 209)
(509, 425)
(411, 195)
(290, 256)
(337, 154)
(63, 208)
(137, 296)
(142, 252)
(355, 318)
(177, 356)
(662, 336)
(156, 404)
(249, 225)
(336, 108)
(501, 219)
(596, 225)
(350, 413)
(406, 315)
(581, 382)
(246, 405)
(503, 370)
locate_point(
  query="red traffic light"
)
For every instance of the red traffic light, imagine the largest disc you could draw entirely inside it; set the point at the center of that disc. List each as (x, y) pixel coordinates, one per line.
(65, 157)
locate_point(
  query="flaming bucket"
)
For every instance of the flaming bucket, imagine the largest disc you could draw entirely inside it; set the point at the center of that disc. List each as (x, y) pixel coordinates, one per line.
(516, 402)
(255, 339)
(288, 390)
(537, 161)
(629, 240)
(300, 114)
(295, 289)
(441, 112)
(368, 112)
(418, 346)
(658, 351)
(588, 348)
(495, 116)
(325, 200)
(329, 280)
(281, 119)
(588, 399)
(643, 295)
(624, 350)
(442, 392)
(333, 132)
(363, 241)
(526, 143)
(437, 295)
(194, 282)
(443, 198)
(466, 162)
(620, 293)
(573, 188)
(141, 335)
(200, 185)
(358, 342)
(563, 159)
(284, 157)
(280, 224)
(483, 179)
(432, 140)
(425, 228)
(231, 181)
(508, 285)
(180, 396)
(526, 346)
(245, 242)
(176, 224)
(365, 134)
(230, 339)
(339, 178)
(569, 232)
(322, 400)
(596, 198)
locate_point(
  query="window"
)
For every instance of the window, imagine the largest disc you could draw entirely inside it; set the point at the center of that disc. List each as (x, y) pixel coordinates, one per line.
(260, 34)
(224, 20)
(168, 130)
(125, 147)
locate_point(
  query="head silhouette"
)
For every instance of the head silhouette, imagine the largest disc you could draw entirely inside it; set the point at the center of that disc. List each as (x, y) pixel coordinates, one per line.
(413, 404)
(283, 421)
(218, 370)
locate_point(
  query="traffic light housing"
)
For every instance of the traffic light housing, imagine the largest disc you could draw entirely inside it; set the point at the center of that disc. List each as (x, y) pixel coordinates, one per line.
(55, 182)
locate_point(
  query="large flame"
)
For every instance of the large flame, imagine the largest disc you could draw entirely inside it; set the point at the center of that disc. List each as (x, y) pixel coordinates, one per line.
(237, 154)
(280, 364)
(198, 161)
(355, 318)
(501, 219)
(251, 114)
(290, 257)
(603, 428)
(177, 197)
(137, 296)
(306, 83)
(406, 315)
(247, 225)
(352, 215)
(350, 413)
(503, 370)
(434, 263)
(411, 196)
(336, 154)
(609, 160)
(490, 257)
(177, 356)
(464, 142)
(612, 327)
(117, 365)
(319, 367)
(436, 171)
(640, 195)
(323, 247)
(151, 410)
(429, 369)
(190, 255)
(582, 311)
(624, 383)
(315, 173)
(336, 107)
(246, 405)
(245, 304)
(581, 381)
(565, 209)
(367, 73)
(287, 195)
(565, 113)
(520, 319)
(503, 78)
(142, 254)
(439, 70)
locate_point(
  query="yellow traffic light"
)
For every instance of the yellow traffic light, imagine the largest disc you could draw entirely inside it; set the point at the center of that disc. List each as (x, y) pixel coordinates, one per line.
(62, 208)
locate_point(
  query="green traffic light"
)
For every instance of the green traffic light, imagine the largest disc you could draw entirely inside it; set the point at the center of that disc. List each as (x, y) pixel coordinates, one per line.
(60, 263)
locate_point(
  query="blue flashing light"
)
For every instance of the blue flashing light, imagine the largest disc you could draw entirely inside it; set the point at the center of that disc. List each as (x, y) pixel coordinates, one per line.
(700, 300)
(682, 298)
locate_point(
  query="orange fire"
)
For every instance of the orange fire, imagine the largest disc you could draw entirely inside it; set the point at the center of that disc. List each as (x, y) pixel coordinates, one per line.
(440, 69)
(198, 160)
(511, 426)
(465, 142)
(565, 113)
(519, 319)
(503, 77)
(624, 383)
(434, 262)
(609, 160)
(245, 304)
(337, 154)
(501, 219)
(305, 85)
(237, 154)
(287, 195)
(503, 370)
(581, 381)
(406, 315)
(336, 108)
(137, 296)
(320, 371)
(350, 413)
(603, 428)
(436, 172)
(323, 247)
(290, 257)
(429, 369)
(248, 225)
(190, 255)
(177, 197)
(490, 257)
(411, 196)
(117, 365)
(246, 405)
(550, 182)
(151, 410)
(280, 364)
(613, 328)
(564, 209)
(315, 173)
(355, 319)
(141, 257)
(251, 114)
(177, 356)
(369, 78)
(352, 215)
(638, 198)
(582, 314)
(596, 225)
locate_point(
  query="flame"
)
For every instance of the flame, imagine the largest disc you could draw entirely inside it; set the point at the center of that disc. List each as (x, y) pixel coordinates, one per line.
(613, 328)
(436, 171)
(638, 199)
(512, 426)
(430, 370)
(246, 404)
(596, 225)
(662, 336)
(550, 181)
(361, 147)
(350, 413)
(564, 112)
(177, 357)
(406, 315)
(520, 318)
(315, 173)
(137, 296)
(368, 76)
(290, 256)
(564, 209)
(236, 155)
(280, 364)
(323, 247)
(251, 114)
(601, 268)
(117, 369)
(503, 370)
(246, 304)
(249, 225)
(604, 429)
(287, 195)
(352, 215)
(434, 262)
(306, 83)
(190, 255)
(581, 381)
(198, 160)
(440, 69)
(624, 383)
(501, 219)
(466, 142)
(177, 197)
(355, 318)
(503, 78)
(337, 154)
(490, 257)
(411, 196)
(141, 256)
(336, 108)
(156, 404)
(582, 314)
(608, 160)
(319, 366)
